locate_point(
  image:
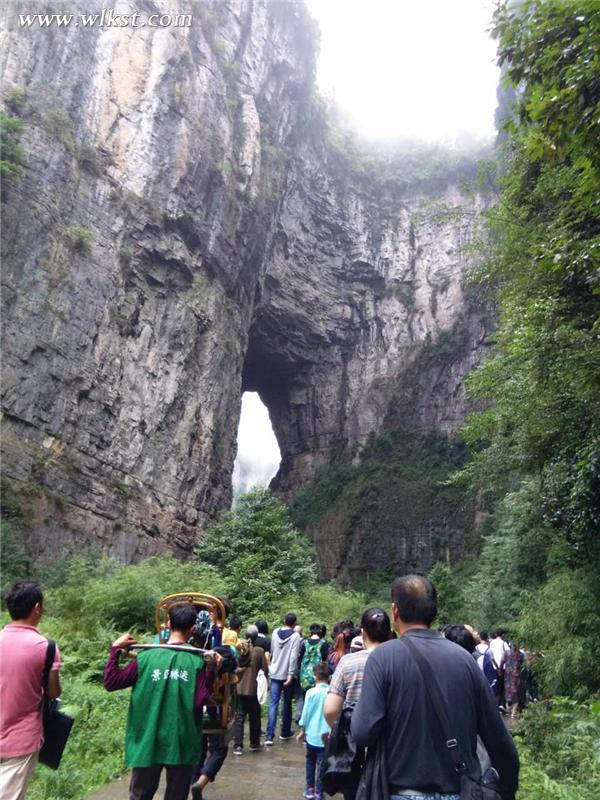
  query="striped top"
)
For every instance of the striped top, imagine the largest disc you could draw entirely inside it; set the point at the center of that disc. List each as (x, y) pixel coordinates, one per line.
(348, 677)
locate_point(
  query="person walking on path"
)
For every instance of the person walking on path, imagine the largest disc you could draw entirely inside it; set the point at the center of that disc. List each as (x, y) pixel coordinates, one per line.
(346, 684)
(248, 705)
(395, 706)
(312, 650)
(513, 679)
(313, 730)
(263, 639)
(285, 644)
(164, 724)
(22, 658)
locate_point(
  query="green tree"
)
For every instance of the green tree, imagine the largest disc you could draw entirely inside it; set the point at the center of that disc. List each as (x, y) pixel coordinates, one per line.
(259, 553)
(536, 444)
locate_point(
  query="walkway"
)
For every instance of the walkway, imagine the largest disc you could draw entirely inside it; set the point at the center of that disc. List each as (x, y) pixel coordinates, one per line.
(275, 772)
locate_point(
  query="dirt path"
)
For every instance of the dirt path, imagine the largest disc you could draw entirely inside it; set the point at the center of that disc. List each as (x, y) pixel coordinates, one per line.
(275, 772)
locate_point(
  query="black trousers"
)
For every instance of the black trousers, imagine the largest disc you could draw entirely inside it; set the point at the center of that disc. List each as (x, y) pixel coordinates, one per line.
(214, 753)
(144, 782)
(247, 705)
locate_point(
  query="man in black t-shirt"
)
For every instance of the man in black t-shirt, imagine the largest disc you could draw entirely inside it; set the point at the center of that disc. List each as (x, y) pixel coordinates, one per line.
(395, 704)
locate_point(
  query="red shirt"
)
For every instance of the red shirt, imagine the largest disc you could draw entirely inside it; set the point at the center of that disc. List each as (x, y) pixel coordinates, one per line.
(22, 658)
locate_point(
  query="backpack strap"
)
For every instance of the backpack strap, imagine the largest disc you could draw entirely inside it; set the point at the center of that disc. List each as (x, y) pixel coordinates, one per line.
(50, 653)
(438, 703)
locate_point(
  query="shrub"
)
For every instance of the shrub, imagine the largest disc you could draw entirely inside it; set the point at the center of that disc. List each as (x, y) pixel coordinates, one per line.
(79, 238)
(559, 742)
(258, 551)
(12, 154)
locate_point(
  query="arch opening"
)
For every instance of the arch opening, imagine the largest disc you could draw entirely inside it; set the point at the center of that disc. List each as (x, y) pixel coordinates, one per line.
(258, 454)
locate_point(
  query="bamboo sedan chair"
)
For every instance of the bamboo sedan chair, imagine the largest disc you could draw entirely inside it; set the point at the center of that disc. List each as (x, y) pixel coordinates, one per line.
(220, 710)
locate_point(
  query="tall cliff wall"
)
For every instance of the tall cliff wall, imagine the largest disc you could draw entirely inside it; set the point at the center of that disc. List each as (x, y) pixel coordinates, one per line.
(182, 232)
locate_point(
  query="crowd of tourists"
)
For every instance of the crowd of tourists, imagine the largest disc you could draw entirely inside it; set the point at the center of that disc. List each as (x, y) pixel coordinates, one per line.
(390, 708)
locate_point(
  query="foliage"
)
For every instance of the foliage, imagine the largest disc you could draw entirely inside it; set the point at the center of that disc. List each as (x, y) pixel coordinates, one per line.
(450, 582)
(15, 562)
(79, 238)
(125, 597)
(325, 604)
(559, 745)
(259, 553)
(398, 462)
(403, 165)
(60, 124)
(536, 443)
(12, 156)
(545, 375)
(562, 620)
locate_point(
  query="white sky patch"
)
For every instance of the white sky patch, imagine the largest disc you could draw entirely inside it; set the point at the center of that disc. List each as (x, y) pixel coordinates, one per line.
(258, 453)
(421, 69)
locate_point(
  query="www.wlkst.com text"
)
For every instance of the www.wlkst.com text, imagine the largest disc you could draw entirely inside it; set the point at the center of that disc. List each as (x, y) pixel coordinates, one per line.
(107, 18)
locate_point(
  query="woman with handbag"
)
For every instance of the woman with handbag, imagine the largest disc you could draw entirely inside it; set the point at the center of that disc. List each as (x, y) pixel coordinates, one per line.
(346, 684)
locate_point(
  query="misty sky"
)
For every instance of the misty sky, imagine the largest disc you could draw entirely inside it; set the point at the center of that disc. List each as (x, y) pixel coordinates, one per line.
(421, 69)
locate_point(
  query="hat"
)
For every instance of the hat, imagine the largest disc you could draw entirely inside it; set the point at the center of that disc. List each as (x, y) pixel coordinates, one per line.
(356, 644)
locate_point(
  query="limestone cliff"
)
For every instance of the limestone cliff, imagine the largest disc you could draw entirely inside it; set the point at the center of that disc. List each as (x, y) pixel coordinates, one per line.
(183, 231)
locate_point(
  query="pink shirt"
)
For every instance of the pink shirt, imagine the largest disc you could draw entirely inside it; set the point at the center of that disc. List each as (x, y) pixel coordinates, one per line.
(22, 658)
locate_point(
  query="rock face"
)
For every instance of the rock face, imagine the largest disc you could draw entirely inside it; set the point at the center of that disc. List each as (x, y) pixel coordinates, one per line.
(183, 232)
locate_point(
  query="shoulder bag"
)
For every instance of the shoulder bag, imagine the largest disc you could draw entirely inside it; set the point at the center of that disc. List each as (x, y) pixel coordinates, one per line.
(470, 789)
(341, 764)
(57, 726)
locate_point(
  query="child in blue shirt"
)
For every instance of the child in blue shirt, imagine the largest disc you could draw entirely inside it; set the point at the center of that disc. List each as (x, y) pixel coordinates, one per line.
(313, 730)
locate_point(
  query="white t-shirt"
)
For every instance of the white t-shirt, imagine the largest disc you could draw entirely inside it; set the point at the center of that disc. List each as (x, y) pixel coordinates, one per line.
(498, 647)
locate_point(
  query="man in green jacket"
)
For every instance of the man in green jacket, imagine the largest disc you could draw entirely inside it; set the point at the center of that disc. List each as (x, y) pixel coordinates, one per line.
(164, 725)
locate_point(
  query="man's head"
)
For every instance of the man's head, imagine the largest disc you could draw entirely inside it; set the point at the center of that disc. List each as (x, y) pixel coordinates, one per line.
(183, 617)
(24, 601)
(262, 626)
(290, 620)
(235, 623)
(483, 635)
(460, 635)
(414, 602)
(316, 629)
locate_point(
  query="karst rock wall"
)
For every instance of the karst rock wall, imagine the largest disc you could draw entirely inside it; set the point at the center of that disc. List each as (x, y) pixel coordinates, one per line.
(183, 232)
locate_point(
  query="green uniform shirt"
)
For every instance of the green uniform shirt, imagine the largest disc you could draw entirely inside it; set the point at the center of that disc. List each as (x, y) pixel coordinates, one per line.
(162, 726)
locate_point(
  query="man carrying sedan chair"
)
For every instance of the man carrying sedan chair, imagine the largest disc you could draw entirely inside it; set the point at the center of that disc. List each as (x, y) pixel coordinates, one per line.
(164, 725)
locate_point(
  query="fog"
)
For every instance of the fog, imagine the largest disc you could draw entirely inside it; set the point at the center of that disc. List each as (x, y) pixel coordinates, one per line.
(415, 69)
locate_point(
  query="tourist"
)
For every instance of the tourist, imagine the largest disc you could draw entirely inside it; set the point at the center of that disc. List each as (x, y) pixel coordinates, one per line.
(343, 633)
(346, 683)
(263, 640)
(395, 708)
(314, 729)
(312, 650)
(23, 652)
(164, 724)
(462, 636)
(498, 649)
(284, 669)
(513, 679)
(231, 634)
(250, 665)
(484, 643)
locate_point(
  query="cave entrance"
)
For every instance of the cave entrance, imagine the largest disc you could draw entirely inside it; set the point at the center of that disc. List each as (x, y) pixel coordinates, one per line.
(258, 455)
